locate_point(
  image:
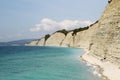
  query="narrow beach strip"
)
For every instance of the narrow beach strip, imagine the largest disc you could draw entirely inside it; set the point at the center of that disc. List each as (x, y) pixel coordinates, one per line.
(108, 71)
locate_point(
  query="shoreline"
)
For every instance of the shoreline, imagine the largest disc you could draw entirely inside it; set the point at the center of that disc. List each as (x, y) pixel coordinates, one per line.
(95, 67)
(108, 71)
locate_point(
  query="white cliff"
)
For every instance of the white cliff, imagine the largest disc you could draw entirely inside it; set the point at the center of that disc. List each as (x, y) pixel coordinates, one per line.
(33, 43)
(102, 38)
(68, 41)
(41, 42)
(55, 39)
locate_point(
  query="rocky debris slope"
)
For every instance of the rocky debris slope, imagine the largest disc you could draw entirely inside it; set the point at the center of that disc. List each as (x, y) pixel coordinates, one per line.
(102, 38)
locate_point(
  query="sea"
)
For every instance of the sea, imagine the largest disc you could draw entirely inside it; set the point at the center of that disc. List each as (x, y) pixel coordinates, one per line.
(43, 63)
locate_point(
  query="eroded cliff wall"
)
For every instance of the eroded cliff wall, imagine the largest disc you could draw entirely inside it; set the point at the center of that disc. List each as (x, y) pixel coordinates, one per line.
(102, 38)
(106, 39)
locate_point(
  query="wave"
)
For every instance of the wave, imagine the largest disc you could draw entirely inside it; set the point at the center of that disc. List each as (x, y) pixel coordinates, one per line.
(95, 69)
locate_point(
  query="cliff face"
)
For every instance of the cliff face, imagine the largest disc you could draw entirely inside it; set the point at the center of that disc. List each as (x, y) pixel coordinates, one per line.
(106, 39)
(68, 40)
(55, 40)
(102, 38)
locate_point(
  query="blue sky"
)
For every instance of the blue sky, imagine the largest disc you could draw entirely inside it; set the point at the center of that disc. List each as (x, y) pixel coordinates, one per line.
(27, 19)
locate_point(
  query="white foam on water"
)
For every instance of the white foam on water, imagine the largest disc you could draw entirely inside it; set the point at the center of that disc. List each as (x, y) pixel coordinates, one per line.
(96, 71)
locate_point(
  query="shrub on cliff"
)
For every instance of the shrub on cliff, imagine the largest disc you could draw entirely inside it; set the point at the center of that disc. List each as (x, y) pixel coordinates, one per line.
(63, 31)
(47, 36)
(78, 30)
(109, 1)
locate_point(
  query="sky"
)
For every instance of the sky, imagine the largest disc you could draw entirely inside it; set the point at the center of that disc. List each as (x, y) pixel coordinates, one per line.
(32, 19)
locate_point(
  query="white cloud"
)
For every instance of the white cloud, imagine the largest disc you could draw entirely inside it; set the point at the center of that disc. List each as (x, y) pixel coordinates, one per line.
(51, 25)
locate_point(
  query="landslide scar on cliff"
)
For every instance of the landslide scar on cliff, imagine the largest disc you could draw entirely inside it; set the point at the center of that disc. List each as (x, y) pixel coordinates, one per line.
(46, 37)
(75, 31)
(65, 32)
(90, 46)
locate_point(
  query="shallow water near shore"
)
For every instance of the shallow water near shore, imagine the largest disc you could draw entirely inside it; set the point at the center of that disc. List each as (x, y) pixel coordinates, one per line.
(43, 63)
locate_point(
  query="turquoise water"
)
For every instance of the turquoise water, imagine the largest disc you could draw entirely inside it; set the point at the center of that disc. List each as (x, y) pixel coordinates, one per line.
(43, 63)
